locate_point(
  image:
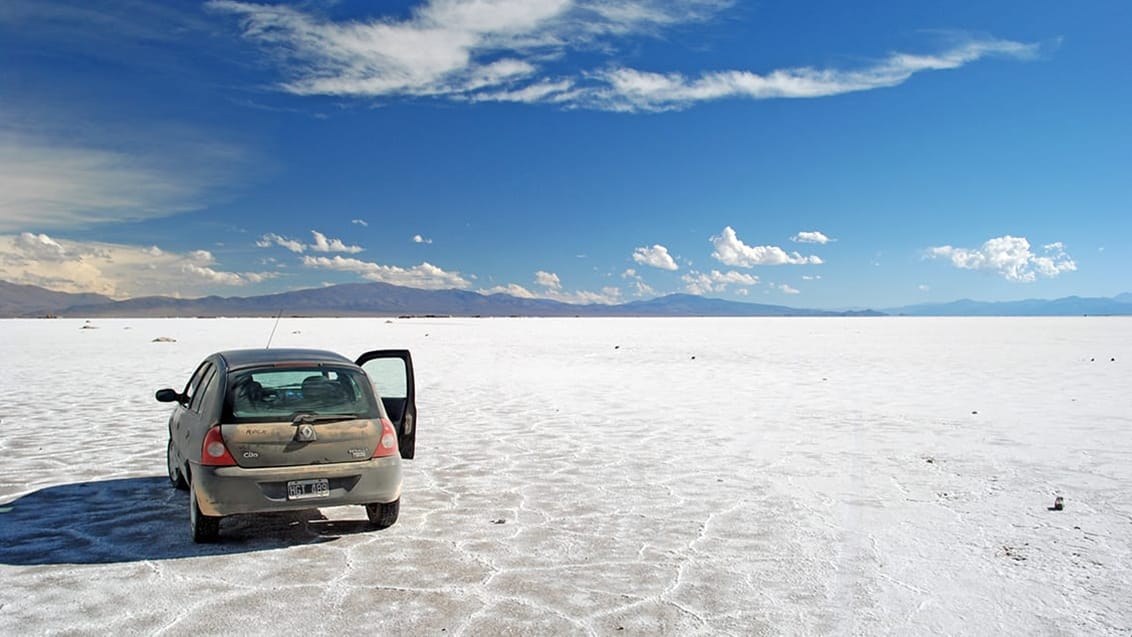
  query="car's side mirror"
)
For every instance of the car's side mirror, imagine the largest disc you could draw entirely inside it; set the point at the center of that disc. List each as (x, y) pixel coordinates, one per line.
(168, 396)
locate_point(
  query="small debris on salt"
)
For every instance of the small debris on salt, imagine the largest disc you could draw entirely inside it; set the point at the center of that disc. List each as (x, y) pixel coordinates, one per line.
(1058, 504)
(974, 413)
(499, 521)
(164, 339)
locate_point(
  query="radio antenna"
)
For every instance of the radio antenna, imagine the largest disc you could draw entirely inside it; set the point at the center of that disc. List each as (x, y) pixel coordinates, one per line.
(273, 329)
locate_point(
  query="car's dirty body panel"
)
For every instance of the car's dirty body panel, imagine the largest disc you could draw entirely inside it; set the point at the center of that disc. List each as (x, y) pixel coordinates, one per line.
(279, 445)
(231, 490)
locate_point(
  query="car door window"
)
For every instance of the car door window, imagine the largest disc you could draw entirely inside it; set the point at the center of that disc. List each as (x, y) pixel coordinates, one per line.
(202, 388)
(389, 377)
(194, 382)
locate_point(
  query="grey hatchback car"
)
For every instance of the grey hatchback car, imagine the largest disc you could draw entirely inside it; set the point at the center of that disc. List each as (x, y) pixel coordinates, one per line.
(261, 430)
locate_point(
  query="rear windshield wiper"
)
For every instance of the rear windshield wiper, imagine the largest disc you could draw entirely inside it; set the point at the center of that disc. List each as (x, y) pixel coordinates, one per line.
(309, 418)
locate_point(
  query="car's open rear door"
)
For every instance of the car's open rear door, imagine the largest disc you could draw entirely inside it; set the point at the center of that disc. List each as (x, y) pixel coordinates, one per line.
(391, 371)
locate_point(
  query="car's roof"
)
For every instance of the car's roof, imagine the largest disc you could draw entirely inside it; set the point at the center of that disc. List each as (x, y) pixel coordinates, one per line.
(249, 357)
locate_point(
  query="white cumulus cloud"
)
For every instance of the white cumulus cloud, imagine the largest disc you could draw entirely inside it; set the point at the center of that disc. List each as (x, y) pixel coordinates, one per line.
(425, 275)
(512, 289)
(270, 239)
(114, 270)
(322, 244)
(420, 239)
(39, 246)
(696, 282)
(608, 295)
(548, 280)
(730, 250)
(810, 237)
(1009, 257)
(656, 256)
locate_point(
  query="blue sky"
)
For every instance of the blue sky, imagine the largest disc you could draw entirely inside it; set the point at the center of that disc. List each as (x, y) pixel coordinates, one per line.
(813, 154)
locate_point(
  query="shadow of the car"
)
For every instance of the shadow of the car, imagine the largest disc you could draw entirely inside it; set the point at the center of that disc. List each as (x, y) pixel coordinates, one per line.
(134, 519)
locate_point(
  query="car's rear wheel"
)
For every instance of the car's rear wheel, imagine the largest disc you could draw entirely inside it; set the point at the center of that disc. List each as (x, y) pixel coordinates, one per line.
(383, 515)
(205, 528)
(175, 476)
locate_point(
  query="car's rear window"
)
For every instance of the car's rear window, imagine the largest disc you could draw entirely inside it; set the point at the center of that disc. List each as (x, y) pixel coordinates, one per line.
(268, 394)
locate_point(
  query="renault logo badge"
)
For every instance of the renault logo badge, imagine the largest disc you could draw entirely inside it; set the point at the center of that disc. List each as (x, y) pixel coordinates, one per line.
(306, 434)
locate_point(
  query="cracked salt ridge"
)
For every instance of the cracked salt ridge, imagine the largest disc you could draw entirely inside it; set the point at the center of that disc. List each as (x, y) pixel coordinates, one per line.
(778, 483)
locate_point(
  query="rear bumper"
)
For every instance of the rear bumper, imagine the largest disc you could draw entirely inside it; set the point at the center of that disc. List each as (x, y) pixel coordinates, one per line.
(231, 490)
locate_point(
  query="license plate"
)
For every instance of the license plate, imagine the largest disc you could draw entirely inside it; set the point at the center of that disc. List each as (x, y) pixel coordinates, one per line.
(305, 489)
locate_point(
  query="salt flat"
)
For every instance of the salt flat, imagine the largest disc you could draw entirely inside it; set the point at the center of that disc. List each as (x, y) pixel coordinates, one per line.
(602, 476)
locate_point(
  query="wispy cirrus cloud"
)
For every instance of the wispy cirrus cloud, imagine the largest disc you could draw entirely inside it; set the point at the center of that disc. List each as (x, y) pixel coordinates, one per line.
(785, 288)
(48, 181)
(730, 250)
(426, 275)
(520, 51)
(640, 288)
(629, 89)
(114, 270)
(1009, 257)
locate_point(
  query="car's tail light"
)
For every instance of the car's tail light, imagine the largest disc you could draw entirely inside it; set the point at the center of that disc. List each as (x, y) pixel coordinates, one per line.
(388, 444)
(213, 453)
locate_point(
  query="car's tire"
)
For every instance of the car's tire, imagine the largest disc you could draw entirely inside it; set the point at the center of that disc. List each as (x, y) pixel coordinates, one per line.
(382, 516)
(205, 528)
(176, 478)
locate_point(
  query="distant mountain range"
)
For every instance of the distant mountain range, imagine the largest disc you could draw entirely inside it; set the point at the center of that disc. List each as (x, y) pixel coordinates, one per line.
(382, 299)
(1120, 305)
(29, 300)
